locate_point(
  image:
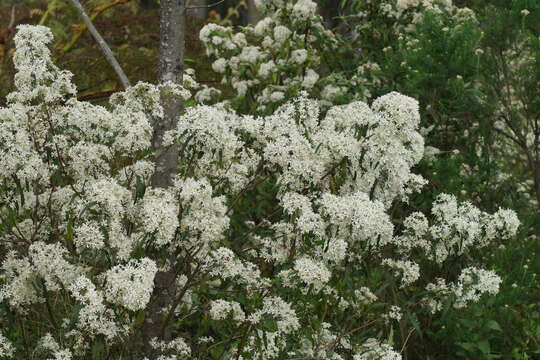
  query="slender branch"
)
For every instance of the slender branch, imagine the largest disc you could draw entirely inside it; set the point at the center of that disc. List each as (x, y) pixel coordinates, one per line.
(25, 341)
(94, 14)
(406, 340)
(12, 19)
(99, 94)
(204, 6)
(176, 302)
(243, 342)
(102, 44)
(340, 336)
(251, 185)
(48, 305)
(48, 12)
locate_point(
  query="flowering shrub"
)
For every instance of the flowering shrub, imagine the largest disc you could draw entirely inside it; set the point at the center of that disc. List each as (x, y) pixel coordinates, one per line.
(278, 227)
(472, 70)
(287, 52)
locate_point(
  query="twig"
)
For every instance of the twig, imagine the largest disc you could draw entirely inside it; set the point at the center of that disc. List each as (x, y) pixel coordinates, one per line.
(102, 44)
(99, 94)
(406, 340)
(94, 14)
(204, 6)
(48, 12)
(12, 19)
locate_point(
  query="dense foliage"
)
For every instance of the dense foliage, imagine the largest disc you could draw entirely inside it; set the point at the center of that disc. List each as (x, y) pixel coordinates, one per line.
(303, 222)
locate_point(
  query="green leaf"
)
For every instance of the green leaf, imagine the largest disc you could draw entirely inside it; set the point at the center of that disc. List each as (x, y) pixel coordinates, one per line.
(493, 325)
(415, 324)
(466, 346)
(87, 207)
(484, 346)
(97, 348)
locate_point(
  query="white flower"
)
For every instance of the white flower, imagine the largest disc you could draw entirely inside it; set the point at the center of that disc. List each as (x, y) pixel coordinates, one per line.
(220, 309)
(94, 317)
(277, 96)
(408, 270)
(281, 33)
(375, 350)
(217, 40)
(330, 92)
(304, 9)
(6, 348)
(132, 284)
(310, 79)
(394, 313)
(220, 65)
(262, 26)
(299, 56)
(281, 311)
(364, 296)
(89, 236)
(178, 346)
(265, 69)
(159, 215)
(472, 283)
(312, 272)
(226, 265)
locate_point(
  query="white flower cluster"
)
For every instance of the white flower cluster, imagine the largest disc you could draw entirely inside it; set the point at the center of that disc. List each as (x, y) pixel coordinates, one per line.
(6, 349)
(225, 264)
(204, 219)
(472, 283)
(394, 313)
(406, 269)
(94, 317)
(312, 272)
(286, 322)
(456, 228)
(131, 285)
(46, 262)
(364, 296)
(220, 309)
(213, 130)
(159, 215)
(37, 78)
(469, 287)
(281, 56)
(50, 345)
(375, 350)
(177, 346)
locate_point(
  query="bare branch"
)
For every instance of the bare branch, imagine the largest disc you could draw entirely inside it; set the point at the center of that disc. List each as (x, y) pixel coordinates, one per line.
(12, 19)
(102, 44)
(204, 6)
(406, 340)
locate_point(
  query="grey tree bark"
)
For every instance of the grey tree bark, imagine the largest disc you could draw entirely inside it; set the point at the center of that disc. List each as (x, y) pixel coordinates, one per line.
(102, 44)
(171, 67)
(253, 14)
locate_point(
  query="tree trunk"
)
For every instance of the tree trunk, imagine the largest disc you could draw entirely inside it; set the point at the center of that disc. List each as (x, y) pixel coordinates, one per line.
(253, 15)
(171, 67)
